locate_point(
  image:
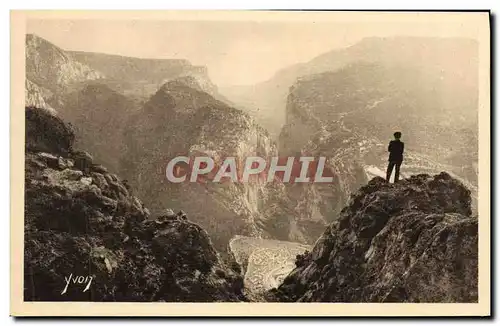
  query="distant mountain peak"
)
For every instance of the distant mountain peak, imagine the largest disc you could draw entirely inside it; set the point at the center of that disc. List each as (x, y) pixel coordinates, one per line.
(187, 80)
(50, 67)
(176, 61)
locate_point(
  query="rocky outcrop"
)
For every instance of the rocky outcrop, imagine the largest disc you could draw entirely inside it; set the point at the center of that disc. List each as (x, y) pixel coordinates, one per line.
(349, 115)
(88, 237)
(52, 68)
(35, 96)
(413, 241)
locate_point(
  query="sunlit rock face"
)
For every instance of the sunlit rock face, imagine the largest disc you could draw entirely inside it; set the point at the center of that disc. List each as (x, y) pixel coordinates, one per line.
(51, 67)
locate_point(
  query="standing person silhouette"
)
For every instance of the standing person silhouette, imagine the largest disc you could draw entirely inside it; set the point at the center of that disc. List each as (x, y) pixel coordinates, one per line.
(395, 149)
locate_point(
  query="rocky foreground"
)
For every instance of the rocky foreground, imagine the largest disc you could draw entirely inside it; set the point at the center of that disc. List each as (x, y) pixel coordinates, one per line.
(414, 241)
(88, 238)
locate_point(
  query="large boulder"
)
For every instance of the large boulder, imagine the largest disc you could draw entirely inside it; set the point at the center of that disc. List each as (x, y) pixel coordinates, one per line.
(413, 241)
(46, 132)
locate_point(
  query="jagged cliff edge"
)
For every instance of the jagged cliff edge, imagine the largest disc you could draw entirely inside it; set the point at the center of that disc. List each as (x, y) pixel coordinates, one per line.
(81, 221)
(414, 241)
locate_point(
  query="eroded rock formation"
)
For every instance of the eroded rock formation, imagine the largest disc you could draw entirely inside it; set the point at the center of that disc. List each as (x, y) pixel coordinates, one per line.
(414, 241)
(82, 222)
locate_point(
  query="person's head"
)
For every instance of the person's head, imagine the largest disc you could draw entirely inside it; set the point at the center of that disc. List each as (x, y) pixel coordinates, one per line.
(397, 135)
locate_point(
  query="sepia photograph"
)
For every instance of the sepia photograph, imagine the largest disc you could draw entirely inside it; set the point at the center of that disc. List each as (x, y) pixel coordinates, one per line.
(285, 162)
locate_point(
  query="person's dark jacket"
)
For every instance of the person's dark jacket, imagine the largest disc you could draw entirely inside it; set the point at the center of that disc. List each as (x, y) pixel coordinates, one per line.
(396, 149)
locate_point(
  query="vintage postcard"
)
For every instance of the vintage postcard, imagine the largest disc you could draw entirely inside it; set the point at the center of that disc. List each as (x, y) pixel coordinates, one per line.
(250, 163)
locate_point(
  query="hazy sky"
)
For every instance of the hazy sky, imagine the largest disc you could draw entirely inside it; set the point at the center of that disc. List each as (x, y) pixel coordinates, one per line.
(235, 52)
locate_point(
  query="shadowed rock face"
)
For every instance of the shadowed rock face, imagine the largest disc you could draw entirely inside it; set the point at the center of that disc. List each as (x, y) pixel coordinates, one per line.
(81, 220)
(414, 241)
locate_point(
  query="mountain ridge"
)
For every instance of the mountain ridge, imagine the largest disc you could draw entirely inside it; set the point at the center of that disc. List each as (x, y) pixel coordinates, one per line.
(60, 71)
(267, 99)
